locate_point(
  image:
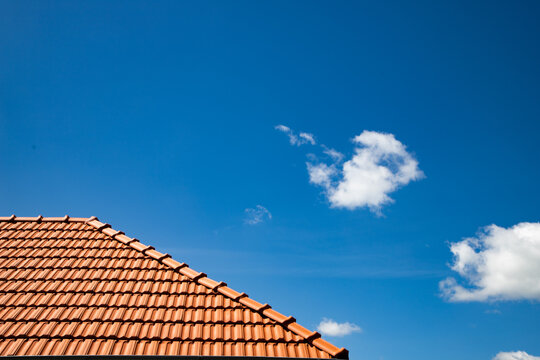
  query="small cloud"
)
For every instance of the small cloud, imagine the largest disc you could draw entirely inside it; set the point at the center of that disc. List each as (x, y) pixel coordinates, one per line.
(379, 167)
(257, 215)
(515, 355)
(307, 137)
(283, 128)
(499, 264)
(330, 327)
(300, 139)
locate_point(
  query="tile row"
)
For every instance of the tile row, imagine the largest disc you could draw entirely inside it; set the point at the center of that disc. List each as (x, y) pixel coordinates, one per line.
(116, 263)
(44, 225)
(47, 234)
(100, 286)
(147, 331)
(93, 274)
(54, 253)
(36, 346)
(133, 314)
(84, 243)
(117, 300)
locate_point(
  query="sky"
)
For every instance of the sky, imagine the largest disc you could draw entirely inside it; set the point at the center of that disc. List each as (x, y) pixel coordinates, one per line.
(370, 168)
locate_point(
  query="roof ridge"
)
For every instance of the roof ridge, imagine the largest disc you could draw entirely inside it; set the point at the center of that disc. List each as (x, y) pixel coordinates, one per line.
(40, 218)
(289, 322)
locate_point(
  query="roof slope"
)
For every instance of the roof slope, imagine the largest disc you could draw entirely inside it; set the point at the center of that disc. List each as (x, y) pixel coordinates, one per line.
(75, 286)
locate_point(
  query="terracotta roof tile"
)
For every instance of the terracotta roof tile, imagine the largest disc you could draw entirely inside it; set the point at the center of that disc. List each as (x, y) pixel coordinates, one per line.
(76, 286)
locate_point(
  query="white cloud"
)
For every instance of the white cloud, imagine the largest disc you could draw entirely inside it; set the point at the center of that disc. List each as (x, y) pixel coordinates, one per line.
(515, 355)
(321, 174)
(335, 155)
(329, 327)
(300, 139)
(257, 215)
(380, 165)
(499, 264)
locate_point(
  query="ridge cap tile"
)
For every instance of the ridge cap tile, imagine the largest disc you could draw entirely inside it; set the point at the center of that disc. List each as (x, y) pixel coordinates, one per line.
(210, 283)
(110, 231)
(175, 265)
(233, 294)
(279, 317)
(255, 305)
(123, 238)
(40, 218)
(192, 274)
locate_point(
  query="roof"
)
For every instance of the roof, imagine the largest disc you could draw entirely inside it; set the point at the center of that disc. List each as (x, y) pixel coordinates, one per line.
(75, 286)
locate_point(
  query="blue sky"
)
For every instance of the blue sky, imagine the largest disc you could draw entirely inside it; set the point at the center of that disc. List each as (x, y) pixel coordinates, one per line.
(159, 118)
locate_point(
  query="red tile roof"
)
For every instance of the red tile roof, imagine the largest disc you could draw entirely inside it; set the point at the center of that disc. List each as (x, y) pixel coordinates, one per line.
(75, 286)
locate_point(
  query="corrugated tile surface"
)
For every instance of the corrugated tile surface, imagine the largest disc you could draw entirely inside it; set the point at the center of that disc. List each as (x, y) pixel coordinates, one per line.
(75, 286)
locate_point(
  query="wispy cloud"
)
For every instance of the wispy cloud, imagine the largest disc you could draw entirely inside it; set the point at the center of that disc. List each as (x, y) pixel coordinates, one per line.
(515, 355)
(499, 264)
(335, 155)
(379, 166)
(330, 327)
(297, 139)
(257, 215)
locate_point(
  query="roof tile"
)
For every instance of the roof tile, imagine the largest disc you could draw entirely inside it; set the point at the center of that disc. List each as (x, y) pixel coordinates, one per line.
(227, 291)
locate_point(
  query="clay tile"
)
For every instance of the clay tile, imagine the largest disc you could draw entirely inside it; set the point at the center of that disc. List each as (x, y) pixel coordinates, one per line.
(103, 226)
(91, 218)
(12, 218)
(139, 246)
(39, 219)
(280, 318)
(192, 274)
(209, 283)
(252, 304)
(233, 294)
(302, 331)
(156, 254)
(148, 248)
(331, 349)
(164, 256)
(111, 232)
(66, 218)
(133, 240)
(79, 219)
(221, 283)
(123, 238)
(97, 224)
(199, 276)
(173, 263)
